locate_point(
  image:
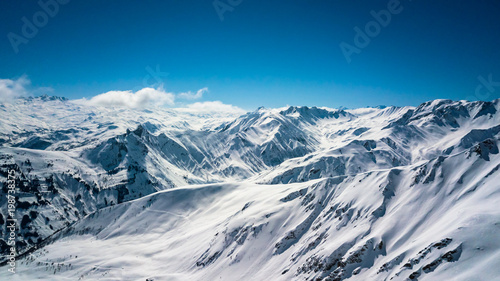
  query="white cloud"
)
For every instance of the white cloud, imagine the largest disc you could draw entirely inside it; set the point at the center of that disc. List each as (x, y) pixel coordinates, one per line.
(191, 96)
(146, 97)
(21, 87)
(11, 89)
(212, 107)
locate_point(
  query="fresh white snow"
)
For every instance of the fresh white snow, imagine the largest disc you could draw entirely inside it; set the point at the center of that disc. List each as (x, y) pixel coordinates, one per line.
(296, 193)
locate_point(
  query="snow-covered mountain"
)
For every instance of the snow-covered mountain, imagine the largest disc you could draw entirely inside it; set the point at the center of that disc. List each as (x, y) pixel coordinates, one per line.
(296, 193)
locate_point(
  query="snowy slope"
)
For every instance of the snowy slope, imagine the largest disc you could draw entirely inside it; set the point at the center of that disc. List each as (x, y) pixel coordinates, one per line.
(434, 221)
(334, 194)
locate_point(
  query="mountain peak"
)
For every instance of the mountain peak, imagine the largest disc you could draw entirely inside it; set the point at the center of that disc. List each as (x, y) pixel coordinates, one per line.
(314, 112)
(46, 97)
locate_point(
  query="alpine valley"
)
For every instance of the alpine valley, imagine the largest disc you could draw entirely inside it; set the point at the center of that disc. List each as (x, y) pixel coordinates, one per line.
(294, 193)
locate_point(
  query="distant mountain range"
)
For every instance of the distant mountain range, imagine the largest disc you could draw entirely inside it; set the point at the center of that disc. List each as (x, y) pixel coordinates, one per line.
(295, 193)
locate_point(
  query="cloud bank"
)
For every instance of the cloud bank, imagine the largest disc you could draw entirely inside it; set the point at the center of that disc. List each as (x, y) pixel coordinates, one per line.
(191, 96)
(150, 97)
(211, 107)
(146, 97)
(12, 89)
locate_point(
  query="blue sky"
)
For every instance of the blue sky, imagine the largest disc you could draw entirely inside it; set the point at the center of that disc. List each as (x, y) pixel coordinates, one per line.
(263, 53)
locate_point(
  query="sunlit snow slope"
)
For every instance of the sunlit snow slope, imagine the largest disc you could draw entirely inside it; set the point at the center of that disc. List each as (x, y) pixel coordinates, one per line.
(294, 193)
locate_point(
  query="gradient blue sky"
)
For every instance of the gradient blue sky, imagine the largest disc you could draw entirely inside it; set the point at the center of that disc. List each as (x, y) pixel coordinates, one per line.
(264, 52)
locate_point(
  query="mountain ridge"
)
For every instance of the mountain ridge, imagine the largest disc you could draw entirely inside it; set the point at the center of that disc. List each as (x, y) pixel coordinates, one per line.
(80, 160)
